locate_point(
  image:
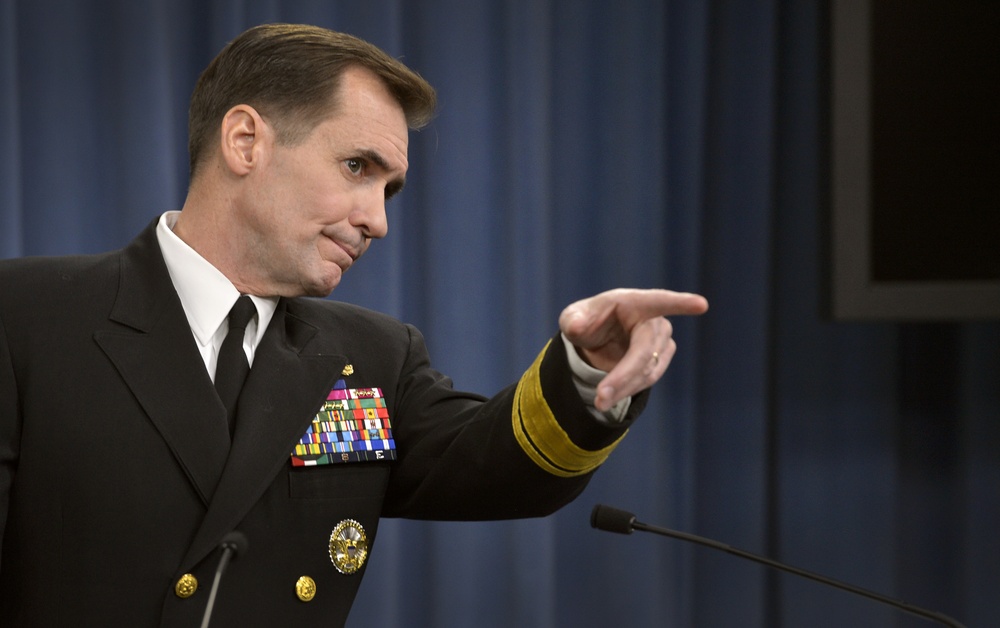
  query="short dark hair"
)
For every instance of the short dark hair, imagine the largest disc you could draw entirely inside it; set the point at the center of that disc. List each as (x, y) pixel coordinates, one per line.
(290, 74)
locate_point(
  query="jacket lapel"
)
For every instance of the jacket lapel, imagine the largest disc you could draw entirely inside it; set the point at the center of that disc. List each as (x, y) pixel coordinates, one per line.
(293, 370)
(156, 355)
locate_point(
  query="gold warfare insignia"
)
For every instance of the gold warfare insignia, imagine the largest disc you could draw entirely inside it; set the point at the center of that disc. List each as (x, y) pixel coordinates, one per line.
(348, 370)
(348, 546)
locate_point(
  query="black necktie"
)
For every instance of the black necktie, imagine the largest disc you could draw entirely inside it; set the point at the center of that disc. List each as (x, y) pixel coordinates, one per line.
(232, 367)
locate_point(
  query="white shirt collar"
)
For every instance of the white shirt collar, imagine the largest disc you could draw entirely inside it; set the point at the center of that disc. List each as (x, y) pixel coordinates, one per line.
(205, 293)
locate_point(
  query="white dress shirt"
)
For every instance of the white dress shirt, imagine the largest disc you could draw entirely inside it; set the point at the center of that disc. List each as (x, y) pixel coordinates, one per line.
(207, 296)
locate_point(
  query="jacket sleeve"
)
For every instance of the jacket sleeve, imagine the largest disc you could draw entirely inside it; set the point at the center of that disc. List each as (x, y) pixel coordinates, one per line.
(525, 452)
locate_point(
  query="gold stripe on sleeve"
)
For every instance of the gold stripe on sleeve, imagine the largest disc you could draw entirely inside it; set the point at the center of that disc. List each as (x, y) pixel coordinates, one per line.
(540, 435)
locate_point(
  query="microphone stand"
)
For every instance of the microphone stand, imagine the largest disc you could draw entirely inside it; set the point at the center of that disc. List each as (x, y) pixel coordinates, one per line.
(614, 520)
(232, 545)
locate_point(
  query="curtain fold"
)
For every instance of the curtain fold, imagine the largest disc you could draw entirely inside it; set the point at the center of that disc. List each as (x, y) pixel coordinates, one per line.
(580, 146)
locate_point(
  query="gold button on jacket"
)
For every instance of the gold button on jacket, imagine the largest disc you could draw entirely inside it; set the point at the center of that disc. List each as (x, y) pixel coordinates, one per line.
(305, 588)
(186, 586)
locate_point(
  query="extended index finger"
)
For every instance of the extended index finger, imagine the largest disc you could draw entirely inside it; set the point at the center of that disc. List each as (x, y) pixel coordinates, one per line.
(629, 307)
(670, 303)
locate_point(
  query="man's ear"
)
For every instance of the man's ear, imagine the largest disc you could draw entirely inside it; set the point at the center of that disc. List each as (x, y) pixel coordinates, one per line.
(244, 137)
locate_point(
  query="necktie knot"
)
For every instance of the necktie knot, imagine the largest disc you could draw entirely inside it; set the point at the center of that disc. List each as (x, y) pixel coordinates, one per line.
(243, 310)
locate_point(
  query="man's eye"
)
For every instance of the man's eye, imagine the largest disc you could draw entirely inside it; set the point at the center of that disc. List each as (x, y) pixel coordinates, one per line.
(355, 165)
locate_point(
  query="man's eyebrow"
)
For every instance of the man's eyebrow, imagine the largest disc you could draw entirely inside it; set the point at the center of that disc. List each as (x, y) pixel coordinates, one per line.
(375, 158)
(394, 186)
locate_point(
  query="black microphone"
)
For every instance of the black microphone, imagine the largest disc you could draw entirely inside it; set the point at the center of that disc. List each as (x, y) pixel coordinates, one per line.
(614, 520)
(232, 545)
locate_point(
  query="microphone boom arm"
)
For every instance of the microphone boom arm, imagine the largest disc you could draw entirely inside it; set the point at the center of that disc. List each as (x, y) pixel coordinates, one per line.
(614, 520)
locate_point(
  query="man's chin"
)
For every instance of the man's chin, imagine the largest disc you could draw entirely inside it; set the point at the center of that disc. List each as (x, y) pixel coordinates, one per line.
(323, 286)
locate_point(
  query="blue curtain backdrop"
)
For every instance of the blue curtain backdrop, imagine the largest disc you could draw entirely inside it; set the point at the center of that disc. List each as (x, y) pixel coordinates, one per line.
(583, 145)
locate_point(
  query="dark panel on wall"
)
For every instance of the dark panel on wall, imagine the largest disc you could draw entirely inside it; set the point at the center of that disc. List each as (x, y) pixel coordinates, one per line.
(915, 160)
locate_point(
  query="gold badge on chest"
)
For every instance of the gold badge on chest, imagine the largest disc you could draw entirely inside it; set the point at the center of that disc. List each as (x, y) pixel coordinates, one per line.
(348, 546)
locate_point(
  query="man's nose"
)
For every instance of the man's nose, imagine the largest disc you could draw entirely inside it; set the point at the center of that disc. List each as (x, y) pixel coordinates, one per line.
(371, 218)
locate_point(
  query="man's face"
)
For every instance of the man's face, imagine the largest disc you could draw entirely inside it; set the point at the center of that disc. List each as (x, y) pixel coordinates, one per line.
(312, 209)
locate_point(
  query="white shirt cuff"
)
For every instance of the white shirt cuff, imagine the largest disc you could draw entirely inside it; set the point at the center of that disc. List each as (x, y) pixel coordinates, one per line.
(586, 378)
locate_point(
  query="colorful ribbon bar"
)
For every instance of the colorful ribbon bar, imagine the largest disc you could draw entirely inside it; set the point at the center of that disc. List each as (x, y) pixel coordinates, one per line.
(352, 426)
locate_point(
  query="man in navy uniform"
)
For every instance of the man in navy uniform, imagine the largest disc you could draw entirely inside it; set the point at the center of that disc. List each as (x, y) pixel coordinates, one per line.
(157, 398)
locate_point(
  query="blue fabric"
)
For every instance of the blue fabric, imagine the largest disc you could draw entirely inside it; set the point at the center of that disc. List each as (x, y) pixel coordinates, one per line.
(584, 145)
